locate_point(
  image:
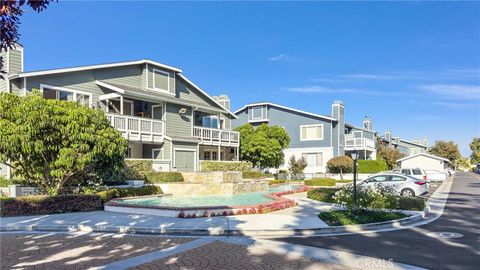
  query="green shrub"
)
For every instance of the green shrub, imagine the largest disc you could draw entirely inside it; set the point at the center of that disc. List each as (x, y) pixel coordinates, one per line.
(224, 166)
(371, 166)
(322, 194)
(134, 170)
(113, 193)
(44, 205)
(320, 182)
(4, 182)
(378, 197)
(411, 203)
(164, 177)
(343, 217)
(277, 181)
(255, 175)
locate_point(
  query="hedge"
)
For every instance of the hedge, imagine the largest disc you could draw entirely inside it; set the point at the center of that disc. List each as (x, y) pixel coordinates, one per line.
(371, 166)
(44, 205)
(4, 182)
(237, 166)
(320, 182)
(113, 193)
(255, 175)
(322, 194)
(164, 177)
(411, 203)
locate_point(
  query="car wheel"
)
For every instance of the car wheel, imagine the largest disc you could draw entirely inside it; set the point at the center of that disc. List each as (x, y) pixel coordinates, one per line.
(407, 192)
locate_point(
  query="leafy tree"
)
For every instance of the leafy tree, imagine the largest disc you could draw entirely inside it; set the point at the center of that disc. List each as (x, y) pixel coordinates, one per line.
(341, 165)
(296, 166)
(463, 163)
(264, 145)
(448, 150)
(10, 13)
(388, 154)
(54, 144)
(475, 147)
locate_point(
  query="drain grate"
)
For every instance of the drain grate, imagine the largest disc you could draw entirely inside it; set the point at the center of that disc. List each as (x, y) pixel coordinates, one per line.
(447, 235)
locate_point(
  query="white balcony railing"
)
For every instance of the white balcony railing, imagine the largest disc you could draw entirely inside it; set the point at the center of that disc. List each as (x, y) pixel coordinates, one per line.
(352, 143)
(138, 128)
(211, 136)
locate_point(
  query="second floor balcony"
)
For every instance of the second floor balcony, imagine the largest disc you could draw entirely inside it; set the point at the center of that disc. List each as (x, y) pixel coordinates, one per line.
(358, 143)
(138, 129)
(212, 136)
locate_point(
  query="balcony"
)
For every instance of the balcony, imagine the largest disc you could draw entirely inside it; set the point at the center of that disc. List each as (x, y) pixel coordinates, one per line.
(353, 143)
(211, 136)
(138, 129)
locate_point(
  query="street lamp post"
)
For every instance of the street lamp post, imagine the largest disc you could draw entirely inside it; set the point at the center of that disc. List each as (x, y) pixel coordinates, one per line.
(355, 158)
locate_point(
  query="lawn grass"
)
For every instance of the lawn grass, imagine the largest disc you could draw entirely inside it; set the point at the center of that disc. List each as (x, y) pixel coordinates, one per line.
(344, 217)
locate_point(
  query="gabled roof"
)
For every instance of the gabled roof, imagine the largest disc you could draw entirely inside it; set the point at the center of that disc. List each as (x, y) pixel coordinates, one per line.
(205, 93)
(426, 155)
(359, 128)
(133, 92)
(88, 67)
(285, 108)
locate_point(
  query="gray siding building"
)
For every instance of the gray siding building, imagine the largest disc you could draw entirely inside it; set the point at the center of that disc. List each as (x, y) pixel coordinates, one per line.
(315, 137)
(164, 116)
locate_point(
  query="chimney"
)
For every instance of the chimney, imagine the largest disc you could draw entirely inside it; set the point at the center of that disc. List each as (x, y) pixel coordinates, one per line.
(13, 60)
(388, 136)
(338, 132)
(367, 123)
(224, 100)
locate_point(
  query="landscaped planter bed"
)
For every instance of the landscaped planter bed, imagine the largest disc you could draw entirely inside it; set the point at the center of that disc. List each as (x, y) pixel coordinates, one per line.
(278, 202)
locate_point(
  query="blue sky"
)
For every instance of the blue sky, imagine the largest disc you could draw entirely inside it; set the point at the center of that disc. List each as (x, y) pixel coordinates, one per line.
(414, 67)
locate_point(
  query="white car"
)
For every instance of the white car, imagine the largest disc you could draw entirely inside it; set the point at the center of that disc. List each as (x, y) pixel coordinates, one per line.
(403, 184)
(433, 175)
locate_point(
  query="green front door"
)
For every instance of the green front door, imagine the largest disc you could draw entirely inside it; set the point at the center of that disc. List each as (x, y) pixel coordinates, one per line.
(184, 160)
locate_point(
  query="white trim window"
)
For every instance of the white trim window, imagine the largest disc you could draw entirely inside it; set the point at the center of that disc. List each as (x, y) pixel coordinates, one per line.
(313, 159)
(311, 132)
(60, 93)
(161, 80)
(257, 113)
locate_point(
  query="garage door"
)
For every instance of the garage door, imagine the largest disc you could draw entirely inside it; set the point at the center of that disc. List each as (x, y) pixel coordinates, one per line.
(184, 160)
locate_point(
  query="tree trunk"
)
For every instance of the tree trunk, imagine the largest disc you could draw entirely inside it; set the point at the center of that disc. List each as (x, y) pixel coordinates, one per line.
(341, 174)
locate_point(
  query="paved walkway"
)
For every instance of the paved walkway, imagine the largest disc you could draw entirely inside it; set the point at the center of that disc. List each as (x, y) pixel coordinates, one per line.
(97, 251)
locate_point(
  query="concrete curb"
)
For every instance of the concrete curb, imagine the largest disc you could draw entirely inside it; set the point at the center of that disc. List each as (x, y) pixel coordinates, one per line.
(220, 231)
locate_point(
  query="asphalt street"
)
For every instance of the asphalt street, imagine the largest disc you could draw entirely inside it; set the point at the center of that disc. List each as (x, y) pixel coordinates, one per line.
(423, 246)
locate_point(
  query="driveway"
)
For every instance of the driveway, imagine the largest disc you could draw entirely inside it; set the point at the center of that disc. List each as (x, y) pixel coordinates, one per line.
(422, 246)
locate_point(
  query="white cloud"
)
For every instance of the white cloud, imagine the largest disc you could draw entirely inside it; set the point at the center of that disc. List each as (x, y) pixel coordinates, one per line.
(320, 89)
(279, 57)
(285, 58)
(455, 105)
(453, 91)
(367, 76)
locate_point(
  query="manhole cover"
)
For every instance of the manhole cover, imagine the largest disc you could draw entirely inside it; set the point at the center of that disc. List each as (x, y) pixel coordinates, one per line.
(447, 235)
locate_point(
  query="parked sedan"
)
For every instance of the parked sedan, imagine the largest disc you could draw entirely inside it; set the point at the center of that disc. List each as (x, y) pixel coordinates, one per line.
(433, 175)
(404, 185)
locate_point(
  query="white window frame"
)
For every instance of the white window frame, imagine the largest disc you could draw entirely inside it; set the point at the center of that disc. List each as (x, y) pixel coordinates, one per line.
(224, 123)
(315, 125)
(153, 80)
(252, 114)
(357, 131)
(163, 110)
(75, 92)
(161, 153)
(314, 153)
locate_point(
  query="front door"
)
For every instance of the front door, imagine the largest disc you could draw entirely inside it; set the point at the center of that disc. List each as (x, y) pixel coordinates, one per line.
(184, 160)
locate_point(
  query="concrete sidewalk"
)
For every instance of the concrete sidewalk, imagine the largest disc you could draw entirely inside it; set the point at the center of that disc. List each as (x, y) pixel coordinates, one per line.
(301, 220)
